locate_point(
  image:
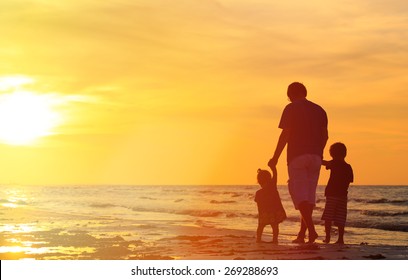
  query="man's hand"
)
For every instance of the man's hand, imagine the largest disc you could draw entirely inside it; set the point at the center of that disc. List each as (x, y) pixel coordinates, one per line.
(283, 139)
(327, 164)
(273, 162)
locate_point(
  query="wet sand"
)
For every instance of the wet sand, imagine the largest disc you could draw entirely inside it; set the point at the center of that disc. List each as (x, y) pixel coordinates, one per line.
(59, 236)
(194, 243)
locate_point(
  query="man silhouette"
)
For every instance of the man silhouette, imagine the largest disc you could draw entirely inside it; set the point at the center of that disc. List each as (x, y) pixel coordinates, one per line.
(304, 129)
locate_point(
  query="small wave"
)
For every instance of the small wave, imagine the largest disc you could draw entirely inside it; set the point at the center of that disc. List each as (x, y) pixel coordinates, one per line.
(372, 201)
(208, 192)
(188, 238)
(102, 205)
(179, 200)
(193, 213)
(222, 202)
(241, 215)
(233, 194)
(148, 198)
(200, 213)
(381, 201)
(204, 224)
(19, 202)
(13, 202)
(147, 226)
(172, 190)
(384, 213)
(390, 227)
(382, 226)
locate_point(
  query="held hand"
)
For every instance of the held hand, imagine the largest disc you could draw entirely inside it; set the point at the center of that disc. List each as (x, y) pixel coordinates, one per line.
(273, 162)
(327, 164)
(273, 169)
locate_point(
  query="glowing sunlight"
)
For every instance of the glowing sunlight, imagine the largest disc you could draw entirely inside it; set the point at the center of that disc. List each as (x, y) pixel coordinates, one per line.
(25, 117)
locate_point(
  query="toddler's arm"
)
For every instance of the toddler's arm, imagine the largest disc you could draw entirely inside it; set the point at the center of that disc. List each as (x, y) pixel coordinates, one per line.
(274, 175)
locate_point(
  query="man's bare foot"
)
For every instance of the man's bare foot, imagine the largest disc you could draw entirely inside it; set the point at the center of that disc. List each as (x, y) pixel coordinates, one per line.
(312, 237)
(299, 240)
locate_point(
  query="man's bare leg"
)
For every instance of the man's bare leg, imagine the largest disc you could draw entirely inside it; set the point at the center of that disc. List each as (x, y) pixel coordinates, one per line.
(302, 232)
(306, 210)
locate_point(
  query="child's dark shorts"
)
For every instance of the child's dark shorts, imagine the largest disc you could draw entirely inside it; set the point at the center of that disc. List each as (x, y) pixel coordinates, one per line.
(335, 210)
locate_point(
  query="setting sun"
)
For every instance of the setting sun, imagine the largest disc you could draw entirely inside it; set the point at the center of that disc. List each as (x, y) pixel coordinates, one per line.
(25, 117)
(134, 130)
(115, 91)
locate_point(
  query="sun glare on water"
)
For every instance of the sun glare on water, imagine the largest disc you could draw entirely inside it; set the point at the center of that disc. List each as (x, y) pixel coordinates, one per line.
(25, 117)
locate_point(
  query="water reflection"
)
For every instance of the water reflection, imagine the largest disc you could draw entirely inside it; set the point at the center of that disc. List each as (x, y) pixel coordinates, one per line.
(22, 228)
(21, 249)
(14, 197)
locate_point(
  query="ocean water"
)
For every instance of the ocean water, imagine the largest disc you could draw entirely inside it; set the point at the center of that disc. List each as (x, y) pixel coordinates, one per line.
(377, 215)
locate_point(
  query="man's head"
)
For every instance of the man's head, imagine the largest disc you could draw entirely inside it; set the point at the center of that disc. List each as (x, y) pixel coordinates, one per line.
(296, 91)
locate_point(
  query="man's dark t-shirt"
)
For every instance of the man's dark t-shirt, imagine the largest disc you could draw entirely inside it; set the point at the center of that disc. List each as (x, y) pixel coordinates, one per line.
(341, 175)
(306, 121)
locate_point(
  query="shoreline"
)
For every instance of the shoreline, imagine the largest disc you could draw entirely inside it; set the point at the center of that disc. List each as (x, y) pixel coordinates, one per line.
(186, 243)
(124, 224)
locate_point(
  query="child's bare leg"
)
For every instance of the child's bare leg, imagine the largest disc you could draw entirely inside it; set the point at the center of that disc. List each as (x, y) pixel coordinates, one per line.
(327, 228)
(341, 235)
(259, 232)
(275, 232)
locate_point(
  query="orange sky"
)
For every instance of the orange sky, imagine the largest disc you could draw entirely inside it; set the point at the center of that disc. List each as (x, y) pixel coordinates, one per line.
(191, 92)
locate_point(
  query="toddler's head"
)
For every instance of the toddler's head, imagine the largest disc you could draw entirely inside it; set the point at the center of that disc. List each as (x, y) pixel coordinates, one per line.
(338, 151)
(264, 177)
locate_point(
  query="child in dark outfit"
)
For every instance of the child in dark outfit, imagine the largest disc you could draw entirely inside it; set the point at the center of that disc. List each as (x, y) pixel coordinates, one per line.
(341, 175)
(270, 209)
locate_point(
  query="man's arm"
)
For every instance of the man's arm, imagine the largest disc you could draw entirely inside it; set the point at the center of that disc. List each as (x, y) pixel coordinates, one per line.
(325, 137)
(283, 139)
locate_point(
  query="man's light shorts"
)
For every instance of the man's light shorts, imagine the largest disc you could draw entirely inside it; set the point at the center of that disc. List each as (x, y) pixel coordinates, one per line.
(304, 173)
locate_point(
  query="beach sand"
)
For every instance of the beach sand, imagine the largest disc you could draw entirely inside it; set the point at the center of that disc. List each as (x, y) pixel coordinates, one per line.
(193, 244)
(67, 237)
